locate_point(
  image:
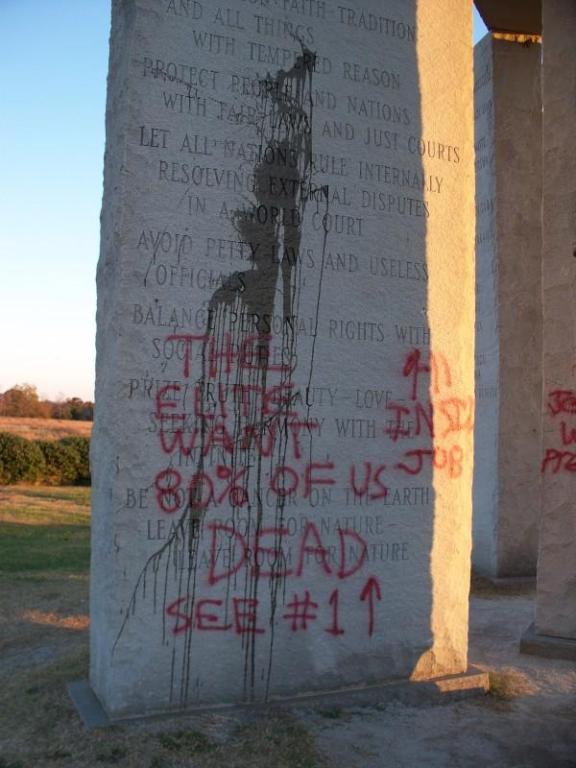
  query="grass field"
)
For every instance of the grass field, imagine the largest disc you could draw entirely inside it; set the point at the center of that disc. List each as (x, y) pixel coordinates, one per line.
(44, 623)
(44, 429)
(44, 529)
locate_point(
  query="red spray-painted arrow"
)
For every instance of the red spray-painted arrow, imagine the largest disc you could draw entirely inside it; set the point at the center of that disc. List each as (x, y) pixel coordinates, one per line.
(371, 592)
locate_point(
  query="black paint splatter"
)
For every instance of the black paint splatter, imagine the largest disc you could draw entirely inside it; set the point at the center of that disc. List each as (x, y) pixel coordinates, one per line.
(272, 225)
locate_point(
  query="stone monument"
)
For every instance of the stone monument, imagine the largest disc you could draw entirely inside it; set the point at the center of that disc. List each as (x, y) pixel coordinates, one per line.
(508, 105)
(283, 446)
(554, 632)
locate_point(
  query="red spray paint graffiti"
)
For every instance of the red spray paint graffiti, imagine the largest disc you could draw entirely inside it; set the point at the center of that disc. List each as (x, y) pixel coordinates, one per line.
(436, 415)
(562, 410)
(301, 613)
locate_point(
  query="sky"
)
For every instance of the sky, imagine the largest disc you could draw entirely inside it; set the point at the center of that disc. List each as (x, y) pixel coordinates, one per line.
(53, 92)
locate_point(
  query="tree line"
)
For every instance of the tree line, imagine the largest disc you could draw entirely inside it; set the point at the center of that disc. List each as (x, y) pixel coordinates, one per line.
(23, 400)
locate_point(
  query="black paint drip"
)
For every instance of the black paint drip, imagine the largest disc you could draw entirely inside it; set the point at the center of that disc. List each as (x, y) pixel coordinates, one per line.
(285, 150)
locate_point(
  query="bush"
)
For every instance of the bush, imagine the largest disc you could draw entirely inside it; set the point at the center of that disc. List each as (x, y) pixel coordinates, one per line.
(21, 460)
(60, 463)
(81, 447)
(57, 462)
(66, 461)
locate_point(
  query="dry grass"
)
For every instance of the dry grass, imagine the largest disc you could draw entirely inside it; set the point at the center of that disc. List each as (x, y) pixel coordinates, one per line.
(509, 683)
(40, 727)
(45, 429)
(41, 505)
(44, 644)
(43, 617)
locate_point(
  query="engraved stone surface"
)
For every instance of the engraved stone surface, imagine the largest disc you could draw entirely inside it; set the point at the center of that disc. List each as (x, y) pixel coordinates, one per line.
(508, 105)
(556, 595)
(282, 452)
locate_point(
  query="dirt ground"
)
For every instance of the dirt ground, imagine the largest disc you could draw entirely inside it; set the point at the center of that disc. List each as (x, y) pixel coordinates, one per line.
(528, 720)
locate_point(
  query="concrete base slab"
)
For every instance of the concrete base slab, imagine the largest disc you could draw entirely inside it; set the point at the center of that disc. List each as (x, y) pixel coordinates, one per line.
(515, 582)
(496, 586)
(547, 646)
(474, 682)
(87, 705)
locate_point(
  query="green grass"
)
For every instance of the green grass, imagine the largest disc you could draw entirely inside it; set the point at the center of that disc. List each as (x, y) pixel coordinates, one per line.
(44, 529)
(78, 494)
(111, 755)
(188, 742)
(8, 764)
(280, 740)
(332, 713)
(44, 548)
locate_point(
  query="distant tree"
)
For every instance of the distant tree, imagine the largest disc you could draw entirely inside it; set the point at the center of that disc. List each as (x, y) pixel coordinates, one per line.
(76, 406)
(22, 400)
(73, 408)
(88, 411)
(59, 409)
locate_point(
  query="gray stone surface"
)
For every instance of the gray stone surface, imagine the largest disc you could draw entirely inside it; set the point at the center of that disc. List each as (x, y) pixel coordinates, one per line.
(556, 601)
(285, 296)
(508, 106)
(486, 497)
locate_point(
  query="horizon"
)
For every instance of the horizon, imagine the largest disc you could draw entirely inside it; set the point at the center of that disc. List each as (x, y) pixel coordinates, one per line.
(54, 127)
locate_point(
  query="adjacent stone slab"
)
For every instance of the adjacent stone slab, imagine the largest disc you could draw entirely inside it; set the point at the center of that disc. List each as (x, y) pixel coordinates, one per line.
(556, 594)
(508, 142)
(282, 452)
(516, 16)
(546, 646)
